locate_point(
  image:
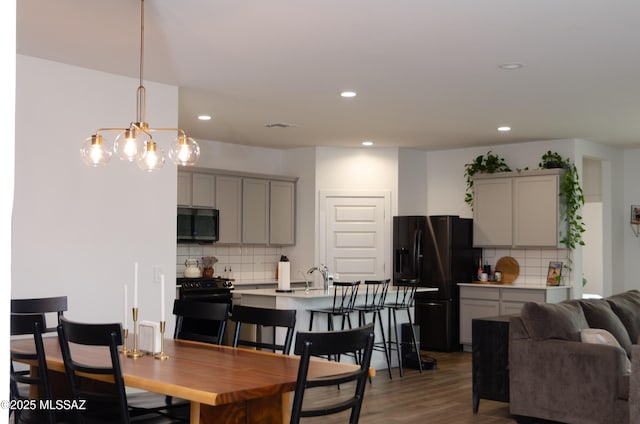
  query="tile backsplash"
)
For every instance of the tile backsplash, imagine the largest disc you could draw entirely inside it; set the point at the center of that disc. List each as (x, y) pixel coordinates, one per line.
(247, 263)
(534, 263)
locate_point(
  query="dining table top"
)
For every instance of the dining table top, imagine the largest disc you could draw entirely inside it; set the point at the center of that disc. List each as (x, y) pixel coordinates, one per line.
(199, 372)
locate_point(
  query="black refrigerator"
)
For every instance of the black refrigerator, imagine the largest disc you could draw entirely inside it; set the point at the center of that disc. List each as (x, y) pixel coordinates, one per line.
(437, 251)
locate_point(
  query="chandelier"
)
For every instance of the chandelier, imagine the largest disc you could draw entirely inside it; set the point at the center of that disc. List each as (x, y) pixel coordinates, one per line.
(135, 143)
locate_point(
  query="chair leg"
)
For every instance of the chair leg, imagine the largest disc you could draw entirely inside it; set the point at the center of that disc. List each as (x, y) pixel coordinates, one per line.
(311, 321)
(396, 341)
(384, 341)
(414, 340)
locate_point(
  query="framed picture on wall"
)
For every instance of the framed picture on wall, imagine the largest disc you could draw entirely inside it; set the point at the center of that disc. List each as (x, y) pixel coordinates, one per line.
(554, 274)
(635, 214)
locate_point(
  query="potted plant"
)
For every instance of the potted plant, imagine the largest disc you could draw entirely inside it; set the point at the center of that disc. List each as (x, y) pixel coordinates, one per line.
(571, 190)
(489, 163)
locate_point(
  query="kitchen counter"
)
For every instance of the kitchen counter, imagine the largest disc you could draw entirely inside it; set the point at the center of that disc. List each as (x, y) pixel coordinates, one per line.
(480, 300)
(302, 302)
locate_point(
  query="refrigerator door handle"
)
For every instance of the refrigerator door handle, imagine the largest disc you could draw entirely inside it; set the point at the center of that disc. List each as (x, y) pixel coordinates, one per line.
(417, 254)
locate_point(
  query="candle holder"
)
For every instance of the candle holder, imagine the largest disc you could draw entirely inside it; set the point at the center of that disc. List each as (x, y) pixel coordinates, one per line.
(161, 355)
(135, 353)
(125, 334)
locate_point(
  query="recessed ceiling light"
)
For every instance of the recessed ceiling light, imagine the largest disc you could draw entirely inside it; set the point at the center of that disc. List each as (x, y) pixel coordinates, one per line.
(367, 143)
(204, 117)
(504, 129)
(348, 94)
(511, 66)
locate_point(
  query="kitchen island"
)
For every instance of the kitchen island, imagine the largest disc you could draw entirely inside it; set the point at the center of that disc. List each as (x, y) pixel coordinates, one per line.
(302, 301)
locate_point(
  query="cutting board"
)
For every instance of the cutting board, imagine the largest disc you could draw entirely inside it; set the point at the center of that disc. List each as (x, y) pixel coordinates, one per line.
(509, 267)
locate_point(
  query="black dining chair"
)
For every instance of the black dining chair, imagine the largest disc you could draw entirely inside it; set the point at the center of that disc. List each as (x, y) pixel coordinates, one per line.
(23, 324)
(357, 341)
(374, 299)
(402, 300)
(109, 403)
(29, 316)
(201, 318)
(264, 318)
(198, 321)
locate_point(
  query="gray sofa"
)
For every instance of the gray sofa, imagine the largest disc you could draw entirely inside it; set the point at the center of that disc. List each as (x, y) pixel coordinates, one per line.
(553, 375)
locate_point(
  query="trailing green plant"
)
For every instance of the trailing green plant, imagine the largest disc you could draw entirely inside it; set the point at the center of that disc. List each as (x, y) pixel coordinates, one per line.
(489, 163)
(571, 190)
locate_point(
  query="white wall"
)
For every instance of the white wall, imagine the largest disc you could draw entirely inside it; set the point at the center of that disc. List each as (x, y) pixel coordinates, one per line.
(77, 230)
(412, 182)
(631, 243)
(7, 122)
(235, 157)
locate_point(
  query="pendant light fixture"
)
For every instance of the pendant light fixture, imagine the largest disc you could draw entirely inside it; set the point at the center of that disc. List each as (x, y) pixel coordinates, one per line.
(136, 143)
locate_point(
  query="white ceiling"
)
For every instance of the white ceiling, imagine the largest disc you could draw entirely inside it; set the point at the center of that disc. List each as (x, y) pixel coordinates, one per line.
(426, 71)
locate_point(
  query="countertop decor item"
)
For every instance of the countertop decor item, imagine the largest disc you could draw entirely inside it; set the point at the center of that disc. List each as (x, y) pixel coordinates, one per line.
(135, 142)
(509, 268)
(192, 269)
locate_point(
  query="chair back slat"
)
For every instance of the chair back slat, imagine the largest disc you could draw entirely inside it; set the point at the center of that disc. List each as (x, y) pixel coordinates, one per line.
(264, 317)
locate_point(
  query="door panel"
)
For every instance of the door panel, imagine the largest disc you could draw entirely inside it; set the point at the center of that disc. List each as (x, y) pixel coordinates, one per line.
(355, 239)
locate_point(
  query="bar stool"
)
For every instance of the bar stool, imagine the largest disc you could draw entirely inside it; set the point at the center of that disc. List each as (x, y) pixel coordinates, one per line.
(404, 296)
(374, 299)
(344, 298)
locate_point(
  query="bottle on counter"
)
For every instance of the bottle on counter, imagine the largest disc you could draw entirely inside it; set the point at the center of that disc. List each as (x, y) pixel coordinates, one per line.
(230, 274)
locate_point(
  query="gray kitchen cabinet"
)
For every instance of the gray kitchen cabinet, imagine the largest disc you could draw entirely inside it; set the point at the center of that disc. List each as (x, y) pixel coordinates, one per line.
(282, 211)
(184, 188)
(196, 189)
(203, 189)
(514, 209)
(488, 300)
(229, 204)
(255, 211)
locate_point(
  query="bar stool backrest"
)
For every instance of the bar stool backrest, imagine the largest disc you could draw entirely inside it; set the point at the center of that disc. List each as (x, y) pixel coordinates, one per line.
(375, 293)
(344, 295)
(405, 292)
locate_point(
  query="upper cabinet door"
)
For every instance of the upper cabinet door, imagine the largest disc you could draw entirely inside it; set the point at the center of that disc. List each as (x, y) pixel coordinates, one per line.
(203, 190)
(229, 205)
(492, 212)
(184, 189)
(255, 211)
(535, 211)
(282, 214)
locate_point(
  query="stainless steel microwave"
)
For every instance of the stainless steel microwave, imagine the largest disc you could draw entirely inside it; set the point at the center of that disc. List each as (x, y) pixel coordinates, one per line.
(198, 225)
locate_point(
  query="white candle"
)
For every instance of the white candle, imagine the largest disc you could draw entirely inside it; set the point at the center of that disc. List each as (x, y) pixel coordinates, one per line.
(161, 297)
(126, 313)
(135, 284)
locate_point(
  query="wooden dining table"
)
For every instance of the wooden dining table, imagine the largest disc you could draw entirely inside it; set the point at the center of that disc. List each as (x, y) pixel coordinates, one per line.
(223, 384)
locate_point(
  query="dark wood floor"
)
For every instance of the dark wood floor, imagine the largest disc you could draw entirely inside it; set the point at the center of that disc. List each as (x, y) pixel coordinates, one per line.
(437, 396)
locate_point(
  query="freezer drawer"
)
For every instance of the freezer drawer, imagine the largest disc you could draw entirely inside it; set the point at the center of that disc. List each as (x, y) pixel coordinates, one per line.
(439, 325)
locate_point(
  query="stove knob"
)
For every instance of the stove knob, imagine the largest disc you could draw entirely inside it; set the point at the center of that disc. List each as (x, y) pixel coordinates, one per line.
(196, 285)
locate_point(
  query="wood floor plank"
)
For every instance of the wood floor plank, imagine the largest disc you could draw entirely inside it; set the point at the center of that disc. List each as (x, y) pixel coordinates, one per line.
(437, 396)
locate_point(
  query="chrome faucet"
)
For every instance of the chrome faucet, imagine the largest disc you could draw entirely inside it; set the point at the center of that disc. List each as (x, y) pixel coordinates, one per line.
(324, 271)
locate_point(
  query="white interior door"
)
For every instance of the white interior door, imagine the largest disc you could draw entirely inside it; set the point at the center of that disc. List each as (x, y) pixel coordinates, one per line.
(355, 234)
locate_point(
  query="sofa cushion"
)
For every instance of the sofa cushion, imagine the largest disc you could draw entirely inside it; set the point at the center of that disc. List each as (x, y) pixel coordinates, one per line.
(600, 315)
(601, 336)
(554, 320)
(627, 307)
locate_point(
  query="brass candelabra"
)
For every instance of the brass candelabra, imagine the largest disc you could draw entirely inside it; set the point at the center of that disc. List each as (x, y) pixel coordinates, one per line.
(135, 353)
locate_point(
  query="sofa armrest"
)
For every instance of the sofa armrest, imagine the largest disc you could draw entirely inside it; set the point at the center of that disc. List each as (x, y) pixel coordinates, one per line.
(565, 381)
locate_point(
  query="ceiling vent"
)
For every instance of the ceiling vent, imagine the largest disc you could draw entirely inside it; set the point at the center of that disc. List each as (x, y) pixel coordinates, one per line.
(280, 125)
